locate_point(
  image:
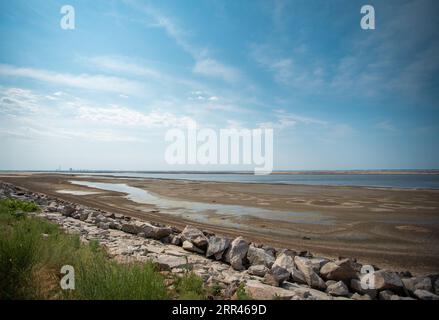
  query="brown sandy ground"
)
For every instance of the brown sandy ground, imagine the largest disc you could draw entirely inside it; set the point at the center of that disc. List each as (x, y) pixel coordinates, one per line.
(398, 229)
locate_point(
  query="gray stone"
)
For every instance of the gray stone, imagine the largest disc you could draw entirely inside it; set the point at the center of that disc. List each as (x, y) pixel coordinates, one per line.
(83, 215)
(236, 253)
(131, 228)
(387, 280)
(260, 291)
(297, 276)
(189, 246)
(285, 261)
(52, 207)
(338, 289)
(195, 236)
(436, 286)
(306, 293)
(167, 262)
(386, 295)
(104, 225)
(216, 247)
(154, 232)
(425, 295)
(258, 256)
(258, 270)
(357, 296)
(68, 211)
(318, 263)
(307, 268)
(340, 270)
(415, 283)
(115, 225)
(276, 276)
(176, 240)
(356, 286)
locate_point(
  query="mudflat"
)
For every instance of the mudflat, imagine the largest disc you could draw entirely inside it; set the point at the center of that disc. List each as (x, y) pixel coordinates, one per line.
(391, 228)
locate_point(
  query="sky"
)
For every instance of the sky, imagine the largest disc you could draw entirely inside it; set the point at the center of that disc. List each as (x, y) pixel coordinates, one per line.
(103, 95)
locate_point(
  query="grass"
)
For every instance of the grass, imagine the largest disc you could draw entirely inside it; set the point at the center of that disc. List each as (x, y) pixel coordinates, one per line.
(33, 250)
(241, 294)
(189, 287)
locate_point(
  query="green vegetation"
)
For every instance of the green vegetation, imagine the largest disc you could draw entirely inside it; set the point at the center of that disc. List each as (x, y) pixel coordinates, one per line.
(241, 294)
(33, 250)
(190, 287)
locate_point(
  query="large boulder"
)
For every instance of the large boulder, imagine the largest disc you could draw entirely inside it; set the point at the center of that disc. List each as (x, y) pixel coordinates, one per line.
(189, 246)
(168, 262)
(387, 280)
(357, 286)
(257, 256)
(340, 270)
(338, 289)
(297, 276)
(258, 270)
(132, 228)
(195, 236)
(216, 247)
(236, 253)
(276, 276)
(425, 295)
(306, 293)
(306, 266)
(154, 232)
(68, 210)
(415, 283)
(52, 207)
(285, 261)
(260, 291)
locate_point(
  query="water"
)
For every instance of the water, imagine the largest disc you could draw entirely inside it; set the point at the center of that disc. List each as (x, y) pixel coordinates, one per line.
(401, 181)
(202, 211)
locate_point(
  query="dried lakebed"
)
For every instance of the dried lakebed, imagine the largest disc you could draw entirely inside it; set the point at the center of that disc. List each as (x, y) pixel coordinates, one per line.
(265, 272)
(202, 212)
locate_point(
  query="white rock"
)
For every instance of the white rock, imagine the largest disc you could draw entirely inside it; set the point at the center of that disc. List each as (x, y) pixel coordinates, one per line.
(257, 256)
(236, 253)
(189, 246)
(338, 289)
(307, 268)
(425, 295)
(217, 246)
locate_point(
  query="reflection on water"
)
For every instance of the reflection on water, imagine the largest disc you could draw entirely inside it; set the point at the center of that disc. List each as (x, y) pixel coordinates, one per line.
(77, 192)
(200, 211)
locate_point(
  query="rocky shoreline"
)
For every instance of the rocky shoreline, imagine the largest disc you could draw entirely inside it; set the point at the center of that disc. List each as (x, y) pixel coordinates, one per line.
(265, 272)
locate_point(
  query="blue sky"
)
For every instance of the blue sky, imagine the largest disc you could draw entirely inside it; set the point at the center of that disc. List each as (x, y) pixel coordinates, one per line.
(103, 95)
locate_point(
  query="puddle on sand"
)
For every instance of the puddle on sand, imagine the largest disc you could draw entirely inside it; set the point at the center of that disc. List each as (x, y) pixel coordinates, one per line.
(77, 192)
(200, 211)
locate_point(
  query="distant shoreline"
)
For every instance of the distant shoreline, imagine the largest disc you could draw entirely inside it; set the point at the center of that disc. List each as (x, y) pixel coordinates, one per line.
(292, 172)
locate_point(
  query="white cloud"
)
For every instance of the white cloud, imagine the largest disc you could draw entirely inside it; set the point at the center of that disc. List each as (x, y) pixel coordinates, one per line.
(213, 68)
(117, 115)
(18, 101)
(83, 81)
(204, 65)
(122, 65)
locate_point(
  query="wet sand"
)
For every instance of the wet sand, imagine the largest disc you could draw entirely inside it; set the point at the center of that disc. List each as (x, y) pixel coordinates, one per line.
(398, 229)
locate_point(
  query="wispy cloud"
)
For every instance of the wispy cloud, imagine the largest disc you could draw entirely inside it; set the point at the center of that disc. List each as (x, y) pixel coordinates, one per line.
(212, 68)
(83, 81)
(204, 64)
(117, 115)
